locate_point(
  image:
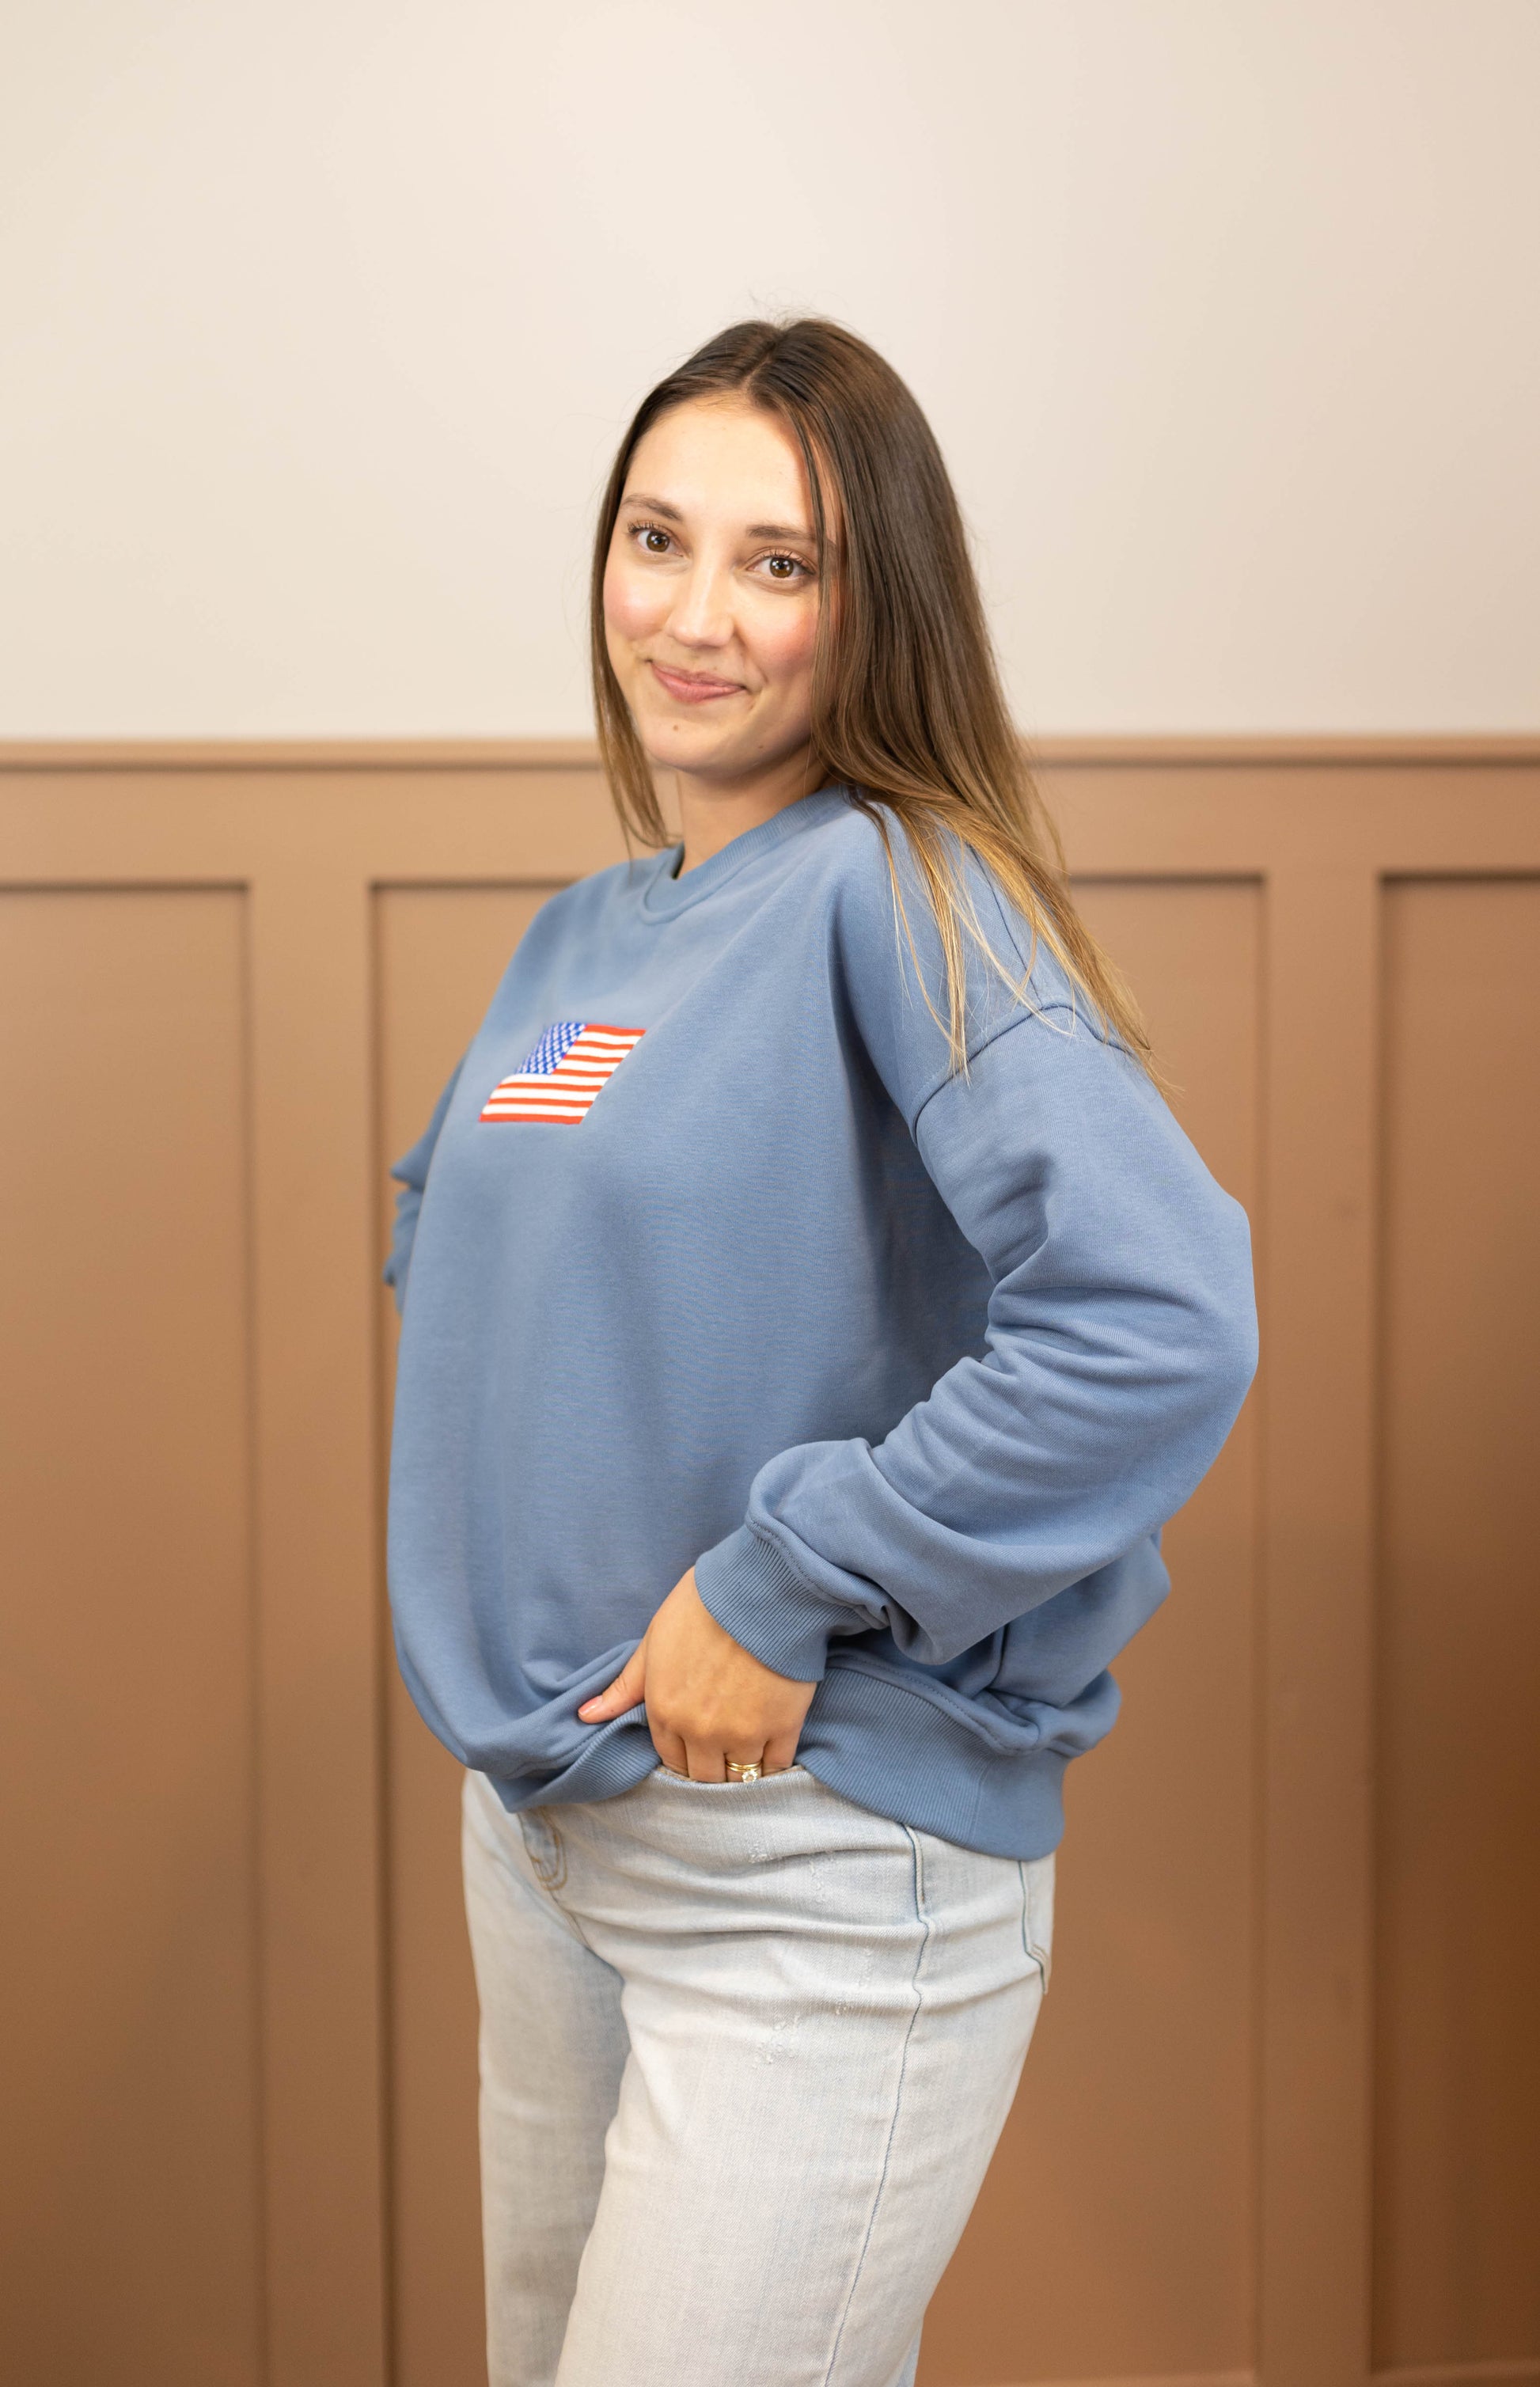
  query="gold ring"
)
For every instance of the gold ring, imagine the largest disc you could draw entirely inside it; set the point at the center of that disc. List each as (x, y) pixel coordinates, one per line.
(750, 1772)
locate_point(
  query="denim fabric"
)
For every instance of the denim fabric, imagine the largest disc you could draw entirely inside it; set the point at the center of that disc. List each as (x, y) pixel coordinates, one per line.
(746, 2051)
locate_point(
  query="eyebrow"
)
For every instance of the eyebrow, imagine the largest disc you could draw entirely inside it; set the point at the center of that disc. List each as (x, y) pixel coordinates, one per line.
(753, 530)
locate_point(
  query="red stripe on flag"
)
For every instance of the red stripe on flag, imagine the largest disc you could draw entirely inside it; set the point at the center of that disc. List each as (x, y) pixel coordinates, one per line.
(564, 1095)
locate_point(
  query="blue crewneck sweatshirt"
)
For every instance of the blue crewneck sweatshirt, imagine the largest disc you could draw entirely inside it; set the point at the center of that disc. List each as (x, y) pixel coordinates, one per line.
(714, 1257)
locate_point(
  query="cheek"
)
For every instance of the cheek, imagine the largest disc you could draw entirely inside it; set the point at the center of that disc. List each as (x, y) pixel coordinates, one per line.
(634, 602)
(782, 643)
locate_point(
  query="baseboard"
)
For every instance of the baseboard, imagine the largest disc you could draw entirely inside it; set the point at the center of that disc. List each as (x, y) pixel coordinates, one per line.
(1512, 2373)
(1152, 2379)
(1518, 2373)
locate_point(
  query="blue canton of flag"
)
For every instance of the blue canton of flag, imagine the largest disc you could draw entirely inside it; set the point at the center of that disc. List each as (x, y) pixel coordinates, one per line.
(554, 1046)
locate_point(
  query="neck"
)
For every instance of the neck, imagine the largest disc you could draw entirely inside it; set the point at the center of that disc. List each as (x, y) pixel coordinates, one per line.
(713, 812)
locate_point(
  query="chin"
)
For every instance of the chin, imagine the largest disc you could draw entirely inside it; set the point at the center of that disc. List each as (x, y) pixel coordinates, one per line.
(685, 746)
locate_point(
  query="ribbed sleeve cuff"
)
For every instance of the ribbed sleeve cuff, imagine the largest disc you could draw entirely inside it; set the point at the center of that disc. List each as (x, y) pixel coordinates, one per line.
(756, 1594)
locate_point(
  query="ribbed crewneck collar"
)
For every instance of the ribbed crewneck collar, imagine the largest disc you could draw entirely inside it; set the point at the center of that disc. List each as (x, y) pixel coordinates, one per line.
(665, 896)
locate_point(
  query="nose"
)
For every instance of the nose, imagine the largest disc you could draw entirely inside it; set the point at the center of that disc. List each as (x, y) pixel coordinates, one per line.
(702, 614)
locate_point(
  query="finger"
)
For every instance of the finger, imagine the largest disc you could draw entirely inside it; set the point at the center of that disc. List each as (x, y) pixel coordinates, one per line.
(670, 1747)
(625, 1691)
(705, 1764)
(780, 1754)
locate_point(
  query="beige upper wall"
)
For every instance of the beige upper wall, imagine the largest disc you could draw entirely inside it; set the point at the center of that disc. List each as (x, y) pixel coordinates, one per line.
(319, 318)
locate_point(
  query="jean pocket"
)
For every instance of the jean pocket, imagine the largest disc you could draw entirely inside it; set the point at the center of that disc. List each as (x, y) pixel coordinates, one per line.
(1037, 1914)
(685, 1782)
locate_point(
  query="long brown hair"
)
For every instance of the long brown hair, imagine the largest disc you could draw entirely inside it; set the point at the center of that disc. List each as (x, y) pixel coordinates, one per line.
(908, 712)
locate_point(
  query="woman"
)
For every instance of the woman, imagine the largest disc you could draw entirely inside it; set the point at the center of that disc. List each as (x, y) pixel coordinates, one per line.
(814, 1314)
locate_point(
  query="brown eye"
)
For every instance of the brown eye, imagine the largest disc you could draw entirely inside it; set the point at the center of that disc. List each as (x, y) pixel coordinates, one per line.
(655, 542)
(782, 567)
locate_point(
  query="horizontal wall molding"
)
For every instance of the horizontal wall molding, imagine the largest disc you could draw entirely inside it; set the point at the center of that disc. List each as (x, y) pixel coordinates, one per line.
(582, 754)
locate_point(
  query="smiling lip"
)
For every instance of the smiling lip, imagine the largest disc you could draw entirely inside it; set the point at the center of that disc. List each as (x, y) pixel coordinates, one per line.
(694, 687)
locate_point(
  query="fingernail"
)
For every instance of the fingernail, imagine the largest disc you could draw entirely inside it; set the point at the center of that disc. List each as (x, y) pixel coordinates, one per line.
(586, 1705)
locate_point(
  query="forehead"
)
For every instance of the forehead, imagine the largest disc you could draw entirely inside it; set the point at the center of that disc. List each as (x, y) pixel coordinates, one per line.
(723, 456)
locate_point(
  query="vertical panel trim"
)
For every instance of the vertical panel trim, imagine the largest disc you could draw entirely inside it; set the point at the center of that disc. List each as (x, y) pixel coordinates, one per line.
(254, 1643)
(316, 1566)
(1321, 1039)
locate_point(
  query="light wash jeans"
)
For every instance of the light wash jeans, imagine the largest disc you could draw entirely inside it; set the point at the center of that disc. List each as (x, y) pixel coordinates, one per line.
(745, 2054)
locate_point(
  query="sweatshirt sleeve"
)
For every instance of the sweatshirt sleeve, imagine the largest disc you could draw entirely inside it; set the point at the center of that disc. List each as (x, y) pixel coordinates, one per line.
(1119, 1345)
(410, 1174)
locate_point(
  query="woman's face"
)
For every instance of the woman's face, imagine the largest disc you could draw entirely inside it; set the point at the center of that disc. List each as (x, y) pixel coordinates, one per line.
(711, 593)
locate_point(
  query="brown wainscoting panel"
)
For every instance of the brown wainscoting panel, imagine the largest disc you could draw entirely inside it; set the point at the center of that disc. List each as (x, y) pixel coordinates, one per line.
(1297, 1927)
(1127, 2218)
(439, 952)
(131, 2183)
(1457, 2076)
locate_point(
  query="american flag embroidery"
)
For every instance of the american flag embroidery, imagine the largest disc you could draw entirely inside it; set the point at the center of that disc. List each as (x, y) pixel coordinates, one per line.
(570, 1065)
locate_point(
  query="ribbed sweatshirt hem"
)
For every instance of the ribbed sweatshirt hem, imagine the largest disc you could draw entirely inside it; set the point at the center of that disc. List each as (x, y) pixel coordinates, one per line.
(877, 1741)
(757, 1595)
